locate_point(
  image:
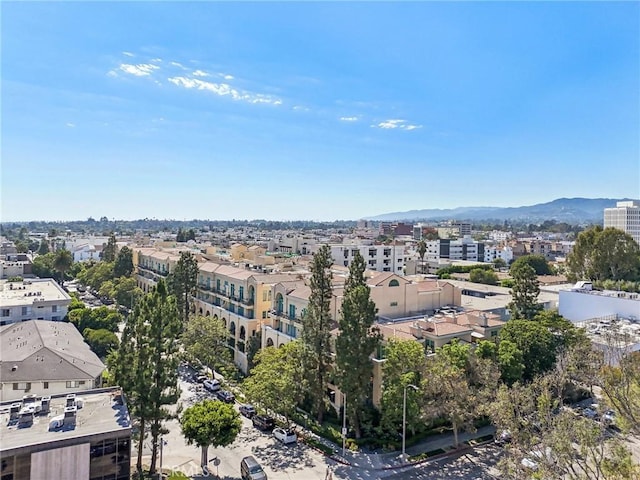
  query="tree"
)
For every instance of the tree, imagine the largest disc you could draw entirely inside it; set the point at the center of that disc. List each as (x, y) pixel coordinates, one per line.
(357, 339)
(621, 386)
(146, 364)
(96, 274)
(404, 364)
(210, 423)
(183, 281)
(524, 293)
(126, 291)
(44, 247)
(482, 275)
(511, 362)
(499, 263)
(109, 250)
(62, 262)
(562, 444)
(537, 262)
(95, 318)
(535, 341)
(422, 249)
(123, 263)
(277, 379)
(608, 254)
(43, 265)
(205, 339)
(101, 341)
(448, 394)
(316, 332)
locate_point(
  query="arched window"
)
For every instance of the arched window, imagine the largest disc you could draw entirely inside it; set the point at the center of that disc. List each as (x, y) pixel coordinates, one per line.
(279, 303)
(252, 293)
(215, 317)
(394, 283)
(224, 322)
(200, 311)
(207, 314)
(269, 342)
(243, 333)
(232, 328)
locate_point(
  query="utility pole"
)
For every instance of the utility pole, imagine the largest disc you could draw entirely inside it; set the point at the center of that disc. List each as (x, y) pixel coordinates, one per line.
(344, 422)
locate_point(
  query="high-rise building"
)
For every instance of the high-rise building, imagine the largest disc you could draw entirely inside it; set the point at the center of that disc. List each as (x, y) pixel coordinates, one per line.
(624, 216)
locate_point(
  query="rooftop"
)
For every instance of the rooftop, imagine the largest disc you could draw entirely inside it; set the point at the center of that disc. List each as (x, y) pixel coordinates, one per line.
(99, 411)
(30, 292)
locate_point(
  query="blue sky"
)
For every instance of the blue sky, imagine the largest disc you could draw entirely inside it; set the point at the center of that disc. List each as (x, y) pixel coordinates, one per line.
(314, 111)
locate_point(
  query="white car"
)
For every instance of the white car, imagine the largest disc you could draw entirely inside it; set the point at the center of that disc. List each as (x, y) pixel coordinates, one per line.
(285, 436)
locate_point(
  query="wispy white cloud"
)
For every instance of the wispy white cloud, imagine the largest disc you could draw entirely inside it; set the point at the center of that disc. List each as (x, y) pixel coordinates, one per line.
(139, 70)
(224, 89)
(71, 125)
(228, 77)
(394, 123)
(300, 108)
(178, 64)
(349, 119)
(128, 54)
(156, 60)
(200, 73)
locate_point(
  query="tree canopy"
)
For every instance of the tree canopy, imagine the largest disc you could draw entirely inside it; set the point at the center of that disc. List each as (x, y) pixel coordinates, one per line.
(205, 340)
(608, 254)
(524, 292)
(183, 281)
(537, 262)
(210, 423)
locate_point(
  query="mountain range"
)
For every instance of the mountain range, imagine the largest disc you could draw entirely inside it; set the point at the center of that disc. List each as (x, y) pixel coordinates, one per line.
(569, 210)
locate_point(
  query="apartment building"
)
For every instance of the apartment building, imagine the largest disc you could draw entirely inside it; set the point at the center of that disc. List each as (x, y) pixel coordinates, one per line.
(463, 249)
(395, 297)
(624, 216)
(381, 258)
(66, 436)
(32, 299)
(45, 358)
(492, 253)
(241, 298)
(16, 265)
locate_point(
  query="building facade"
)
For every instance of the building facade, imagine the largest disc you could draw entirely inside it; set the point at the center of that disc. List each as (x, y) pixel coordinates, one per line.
(32, 299)
(624, 216)
(66, 436)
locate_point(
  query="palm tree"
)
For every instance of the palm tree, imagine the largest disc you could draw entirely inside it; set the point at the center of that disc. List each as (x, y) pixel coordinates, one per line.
(62, 263)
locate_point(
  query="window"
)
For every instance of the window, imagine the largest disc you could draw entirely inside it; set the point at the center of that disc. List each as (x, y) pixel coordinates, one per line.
(394, 283)
(24, 311)
(45, 385)
(241, 292)
(393, 304)
(54, 308)
(264, 314)
(494, 333)
(73, 384)
(6, 312)
(22, 386)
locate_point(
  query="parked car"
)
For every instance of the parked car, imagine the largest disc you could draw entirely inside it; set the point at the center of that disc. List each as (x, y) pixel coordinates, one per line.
(250, 469)
(263, 422)
(285, 436)
(609, 418)
(247, 410)
(225, 396)
(212, 385)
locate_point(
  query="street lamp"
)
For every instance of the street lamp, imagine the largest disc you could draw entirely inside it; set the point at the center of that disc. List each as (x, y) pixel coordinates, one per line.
(404, 416)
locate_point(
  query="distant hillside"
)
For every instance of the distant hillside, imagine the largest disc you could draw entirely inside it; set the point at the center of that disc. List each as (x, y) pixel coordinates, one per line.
(569, 210)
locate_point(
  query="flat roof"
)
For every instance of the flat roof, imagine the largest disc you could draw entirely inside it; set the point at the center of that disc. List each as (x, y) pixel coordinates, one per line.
(100, 413)
(30, 292)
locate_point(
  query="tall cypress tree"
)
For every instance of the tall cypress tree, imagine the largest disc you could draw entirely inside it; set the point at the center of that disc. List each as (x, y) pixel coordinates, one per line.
(183, 281)
(146, 364)
(357, 340)
(316, 330)
(109, 251)
(524, 292)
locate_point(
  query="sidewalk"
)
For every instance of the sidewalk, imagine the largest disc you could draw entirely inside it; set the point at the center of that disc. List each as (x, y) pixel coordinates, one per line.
(388, 461)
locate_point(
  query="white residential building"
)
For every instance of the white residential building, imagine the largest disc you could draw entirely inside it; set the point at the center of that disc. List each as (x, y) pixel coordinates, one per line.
(624, 216)
(381, 258)
(463, 249)
(36, 299)
(492, 253)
